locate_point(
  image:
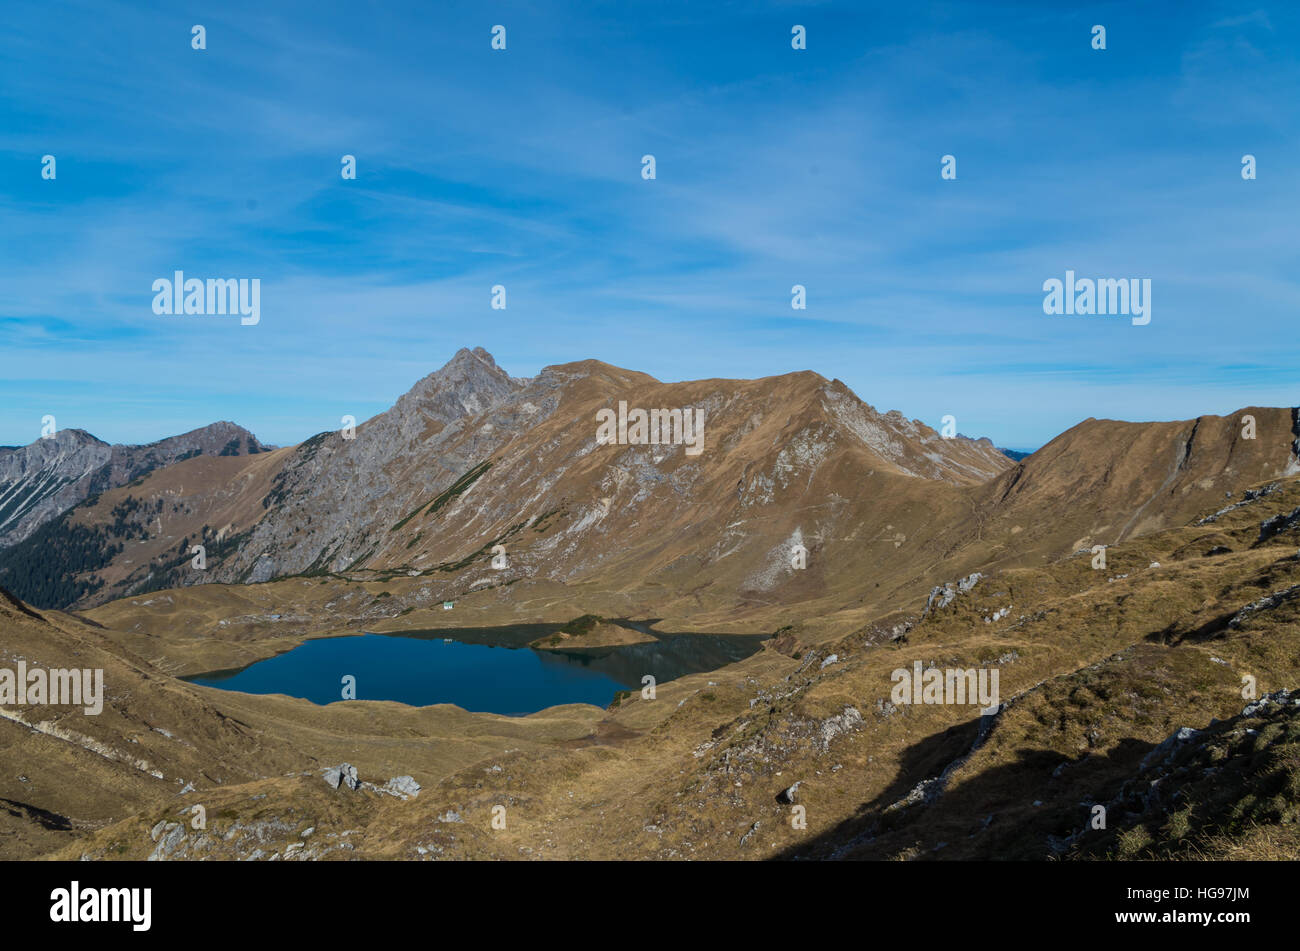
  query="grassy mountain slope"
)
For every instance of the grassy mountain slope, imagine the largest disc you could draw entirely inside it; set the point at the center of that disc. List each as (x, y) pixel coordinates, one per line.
(1098, 669)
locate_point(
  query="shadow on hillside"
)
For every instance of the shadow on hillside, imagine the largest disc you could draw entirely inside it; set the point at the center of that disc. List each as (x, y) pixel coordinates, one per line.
(41, 817)
(988, 816)
(1172, 636)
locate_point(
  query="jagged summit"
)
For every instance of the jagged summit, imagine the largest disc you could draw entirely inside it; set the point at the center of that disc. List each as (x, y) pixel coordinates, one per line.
(470, 382)
(478, 353)
(467, 360)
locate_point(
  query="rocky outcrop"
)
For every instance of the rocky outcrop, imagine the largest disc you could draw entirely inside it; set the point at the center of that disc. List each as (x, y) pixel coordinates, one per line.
(1266, 603)
(403, 787)
(1226, 776)
(943, 595)
(847, 721)
(1166, 750)
(344, 774)
(1283, 521)
(1250, 495)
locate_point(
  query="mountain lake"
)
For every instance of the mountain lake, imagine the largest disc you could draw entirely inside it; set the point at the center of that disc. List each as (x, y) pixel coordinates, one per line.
(487, 670)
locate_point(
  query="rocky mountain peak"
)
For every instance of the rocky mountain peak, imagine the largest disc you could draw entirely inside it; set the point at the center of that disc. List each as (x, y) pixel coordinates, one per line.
(469, 383)
(220, 438)
(61, 440)
(478, 353)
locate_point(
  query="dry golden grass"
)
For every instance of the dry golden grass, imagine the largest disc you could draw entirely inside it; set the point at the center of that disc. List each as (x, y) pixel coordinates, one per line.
(1099, 672)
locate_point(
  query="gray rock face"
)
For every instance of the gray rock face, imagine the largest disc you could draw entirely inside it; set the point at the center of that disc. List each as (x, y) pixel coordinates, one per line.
(943, 595)
(404, 787)
(43, 480)
(910, 445)
(172, 837)
(1266, 603)
(1169, 746)
(1269, 699)
(850, 719)
(353, 490)
(345, 774)
(1278, 524)
(1250, 495)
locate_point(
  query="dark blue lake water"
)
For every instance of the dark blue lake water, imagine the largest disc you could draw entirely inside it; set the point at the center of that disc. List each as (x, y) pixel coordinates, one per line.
(484, 670)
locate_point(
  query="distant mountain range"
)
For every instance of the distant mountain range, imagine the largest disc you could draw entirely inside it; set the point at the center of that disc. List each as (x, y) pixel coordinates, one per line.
(858, 543)
(55, 473)
(472, 460)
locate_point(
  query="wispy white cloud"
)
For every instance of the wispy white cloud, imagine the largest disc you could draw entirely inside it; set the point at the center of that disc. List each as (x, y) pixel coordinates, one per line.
(523, 168)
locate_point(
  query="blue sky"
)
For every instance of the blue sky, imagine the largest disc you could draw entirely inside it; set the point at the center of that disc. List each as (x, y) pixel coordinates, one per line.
(522, 168)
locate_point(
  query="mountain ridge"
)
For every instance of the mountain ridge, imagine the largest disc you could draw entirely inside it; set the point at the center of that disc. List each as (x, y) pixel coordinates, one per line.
(342, 501)
(471, 458)
(45, 478)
